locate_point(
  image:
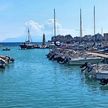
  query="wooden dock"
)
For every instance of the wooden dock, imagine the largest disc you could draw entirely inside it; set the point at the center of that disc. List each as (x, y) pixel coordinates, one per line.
(98, 54)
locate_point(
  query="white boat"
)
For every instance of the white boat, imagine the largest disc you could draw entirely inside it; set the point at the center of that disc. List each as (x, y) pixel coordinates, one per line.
(102, 75)
(102, 71)
(82, 60)
(96, 71)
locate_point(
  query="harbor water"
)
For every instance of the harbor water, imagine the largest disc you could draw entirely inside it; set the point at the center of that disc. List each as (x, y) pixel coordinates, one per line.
(35, 82)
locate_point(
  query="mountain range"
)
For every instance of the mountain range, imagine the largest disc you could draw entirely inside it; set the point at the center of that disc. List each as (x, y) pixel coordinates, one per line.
(23, 39)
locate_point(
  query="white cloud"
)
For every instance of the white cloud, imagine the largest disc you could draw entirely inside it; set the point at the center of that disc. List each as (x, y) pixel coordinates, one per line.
(51, 23)
(34, 25)
(59, 28)
(47, 28)
(37, 30)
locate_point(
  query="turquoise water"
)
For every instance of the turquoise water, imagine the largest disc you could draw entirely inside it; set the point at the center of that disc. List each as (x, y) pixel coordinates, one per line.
(35, 82)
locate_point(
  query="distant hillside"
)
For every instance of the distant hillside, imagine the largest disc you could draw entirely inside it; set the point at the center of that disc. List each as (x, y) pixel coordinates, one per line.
(23, 38)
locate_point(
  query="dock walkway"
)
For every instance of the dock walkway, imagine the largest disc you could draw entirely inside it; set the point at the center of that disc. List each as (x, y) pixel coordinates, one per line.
(98, 54)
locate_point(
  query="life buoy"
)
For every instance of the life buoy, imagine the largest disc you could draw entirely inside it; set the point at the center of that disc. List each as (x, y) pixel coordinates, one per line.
(57, 43)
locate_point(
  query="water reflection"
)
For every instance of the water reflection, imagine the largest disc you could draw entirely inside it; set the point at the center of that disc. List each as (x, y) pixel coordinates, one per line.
(104, 87)
(10, 66)
(2, 71)
(7, 68)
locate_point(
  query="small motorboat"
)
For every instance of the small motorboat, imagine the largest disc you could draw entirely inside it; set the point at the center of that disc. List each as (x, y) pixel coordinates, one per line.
(81, 60)
(7, 59)
(96, 71)
(6, 49)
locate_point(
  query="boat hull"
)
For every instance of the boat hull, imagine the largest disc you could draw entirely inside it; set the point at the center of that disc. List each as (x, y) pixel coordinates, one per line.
(25, 46)
(102, 75)
(82, 61)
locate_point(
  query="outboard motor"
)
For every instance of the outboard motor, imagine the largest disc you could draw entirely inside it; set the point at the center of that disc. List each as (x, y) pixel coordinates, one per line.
(12, 59)
(51, 56)
(66, 60)
(60, 59)
(83, 67)
(9, 60)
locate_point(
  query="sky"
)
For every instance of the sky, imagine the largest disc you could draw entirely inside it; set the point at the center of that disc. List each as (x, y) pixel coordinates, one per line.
(17, 15)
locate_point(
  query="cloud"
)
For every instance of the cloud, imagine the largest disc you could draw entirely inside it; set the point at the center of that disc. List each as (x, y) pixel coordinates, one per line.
(37, 30)
(34, 25)
(51, 23)
(47, 28)
(59, 28)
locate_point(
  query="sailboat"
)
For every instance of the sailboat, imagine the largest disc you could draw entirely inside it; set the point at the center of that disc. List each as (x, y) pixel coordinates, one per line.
(28, 44)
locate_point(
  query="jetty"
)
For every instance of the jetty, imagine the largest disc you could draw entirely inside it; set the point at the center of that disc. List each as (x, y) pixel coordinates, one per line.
(98, 54)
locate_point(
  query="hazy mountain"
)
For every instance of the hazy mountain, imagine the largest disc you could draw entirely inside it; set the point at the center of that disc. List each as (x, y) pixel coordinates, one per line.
(23, 38)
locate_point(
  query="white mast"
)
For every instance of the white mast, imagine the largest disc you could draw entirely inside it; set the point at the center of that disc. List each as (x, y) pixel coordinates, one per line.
(102, 31)
(94, 20)
(80, 23)
(54, 23)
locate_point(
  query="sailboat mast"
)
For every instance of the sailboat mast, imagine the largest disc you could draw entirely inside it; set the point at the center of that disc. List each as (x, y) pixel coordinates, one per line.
(80, 23)
(29, 35)
(94, 20)
(102, 31)
(54, 23)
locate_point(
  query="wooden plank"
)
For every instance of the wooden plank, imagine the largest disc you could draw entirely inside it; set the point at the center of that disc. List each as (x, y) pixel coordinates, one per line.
(98, 54)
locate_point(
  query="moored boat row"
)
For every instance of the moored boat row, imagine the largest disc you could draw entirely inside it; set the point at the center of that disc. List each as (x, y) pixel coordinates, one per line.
(72, 57)
(92, 65)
